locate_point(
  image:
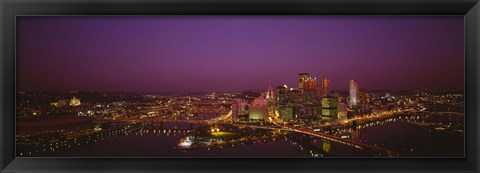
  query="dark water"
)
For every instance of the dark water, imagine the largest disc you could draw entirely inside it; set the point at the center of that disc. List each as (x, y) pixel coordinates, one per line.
(413, 140)
(408, 139)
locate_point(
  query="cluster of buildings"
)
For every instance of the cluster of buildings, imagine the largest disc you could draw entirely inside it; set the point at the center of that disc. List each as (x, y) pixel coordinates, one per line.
(309, 101)
(64, 102)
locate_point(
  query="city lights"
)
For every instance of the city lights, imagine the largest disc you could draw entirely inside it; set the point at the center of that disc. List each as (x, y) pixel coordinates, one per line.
(226, 116)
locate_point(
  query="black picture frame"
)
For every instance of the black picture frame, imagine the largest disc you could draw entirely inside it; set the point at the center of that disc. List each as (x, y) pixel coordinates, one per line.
(11, 8)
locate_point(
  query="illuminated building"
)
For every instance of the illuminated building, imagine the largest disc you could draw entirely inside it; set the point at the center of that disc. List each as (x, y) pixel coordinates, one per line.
(286, 113)
(60, 103)
(325, 86)
(238, 108)
(270, 93)
(270, 96)
(362, 98)
(75, 102)
(353, 94)
(388, 97)
(309, 84)
(281, 95)
(329, 107)
(302, 77)
(284, 107)
(342, 111)
(303, 102)
(258, 109)
(290, 103)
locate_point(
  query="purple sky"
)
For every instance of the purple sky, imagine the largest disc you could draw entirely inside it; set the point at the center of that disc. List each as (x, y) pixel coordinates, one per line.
(236, 53)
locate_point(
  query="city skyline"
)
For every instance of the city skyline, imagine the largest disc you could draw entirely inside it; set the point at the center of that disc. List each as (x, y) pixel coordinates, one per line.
(212, 53)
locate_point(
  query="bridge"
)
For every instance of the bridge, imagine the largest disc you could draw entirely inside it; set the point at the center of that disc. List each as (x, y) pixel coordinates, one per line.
(337, 139)
(443, 113)
(224, 118)
(326, 136)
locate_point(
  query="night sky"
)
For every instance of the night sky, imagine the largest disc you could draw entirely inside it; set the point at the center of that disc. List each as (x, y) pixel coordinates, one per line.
(236, 53)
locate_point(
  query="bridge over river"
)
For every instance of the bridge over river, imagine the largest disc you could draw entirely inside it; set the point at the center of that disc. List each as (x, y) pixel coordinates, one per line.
(224, 118)
(325, 136)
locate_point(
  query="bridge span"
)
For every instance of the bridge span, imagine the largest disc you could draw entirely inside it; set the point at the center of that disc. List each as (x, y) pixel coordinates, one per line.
(363, 146)
(224, 118)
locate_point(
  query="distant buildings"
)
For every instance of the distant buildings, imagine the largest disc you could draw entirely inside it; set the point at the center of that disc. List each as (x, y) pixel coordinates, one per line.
(341, 111)
(258, 109)
(353, 90)
(359, 98)
(309, 101)
(325, 86)
(281, 95)
(239, 107)
(60, 103)
(75, 102)
(270, 96)
(284, 107)
(299, 102)
(302, 77)
(329, 107)
(66, 102)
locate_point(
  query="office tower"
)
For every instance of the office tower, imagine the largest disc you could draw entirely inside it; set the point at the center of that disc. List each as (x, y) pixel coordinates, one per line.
(325, 86)
(238, 108)
(282, 103)
(342, 111)
(362, 98)
(270, 93)
(281, 95)
(329, 107)
(309, 84)
(301, 78)
(270, 96)
(353, 94)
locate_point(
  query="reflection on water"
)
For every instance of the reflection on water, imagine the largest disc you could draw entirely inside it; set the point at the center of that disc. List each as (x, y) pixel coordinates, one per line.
(196, 140)
(326, 146)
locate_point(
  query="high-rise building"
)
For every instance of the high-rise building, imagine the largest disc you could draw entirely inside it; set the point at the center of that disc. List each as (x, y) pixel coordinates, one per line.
(270, 96)
(309, 84)
(329, 107)
(363, 98)
(270, 93)
(302, 77)
(286, 113)
(238, 108)
(325, 86)
(342, 111)
(353, 93)
(281, 95)
(282, 103)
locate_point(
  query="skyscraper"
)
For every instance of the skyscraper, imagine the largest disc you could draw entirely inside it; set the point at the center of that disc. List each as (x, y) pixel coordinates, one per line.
(270, 96)
(238, 108)
(329, 107)
(362, 98)
(341, 111)
(270, 93)
(325, 86)
(309, 84)
(353, 94)
(281, 95)
(302, 77)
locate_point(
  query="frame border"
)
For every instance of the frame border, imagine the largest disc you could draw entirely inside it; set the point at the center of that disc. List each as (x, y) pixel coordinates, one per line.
(11, 8)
